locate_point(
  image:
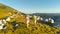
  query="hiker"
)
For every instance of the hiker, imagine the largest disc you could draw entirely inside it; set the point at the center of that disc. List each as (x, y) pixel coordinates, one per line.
(35, 19)
(27, 20)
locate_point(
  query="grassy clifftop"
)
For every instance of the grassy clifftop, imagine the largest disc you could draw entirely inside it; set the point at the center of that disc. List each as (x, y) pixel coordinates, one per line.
(39, 28)
(5, 10)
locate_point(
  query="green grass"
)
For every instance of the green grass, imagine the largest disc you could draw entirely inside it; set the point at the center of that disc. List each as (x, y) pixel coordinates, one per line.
(39, 28)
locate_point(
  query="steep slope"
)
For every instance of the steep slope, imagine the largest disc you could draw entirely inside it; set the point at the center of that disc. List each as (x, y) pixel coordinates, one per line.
(6, 10)
(39, 28)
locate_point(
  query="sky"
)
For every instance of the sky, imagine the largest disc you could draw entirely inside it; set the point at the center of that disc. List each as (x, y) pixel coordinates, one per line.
(34, 6)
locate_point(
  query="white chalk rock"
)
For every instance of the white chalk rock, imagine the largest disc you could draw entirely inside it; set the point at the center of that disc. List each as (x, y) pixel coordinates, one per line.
(46, 20)
(49, 18)
(11, 16)
(4, 27)
(52, 21)
(4, 21)
(41, 18)
(16, 25)
(38, 18)
(8, 19)
(1, 27)
(0, 21)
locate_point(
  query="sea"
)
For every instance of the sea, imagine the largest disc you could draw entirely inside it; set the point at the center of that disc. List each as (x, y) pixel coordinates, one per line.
(55, 16)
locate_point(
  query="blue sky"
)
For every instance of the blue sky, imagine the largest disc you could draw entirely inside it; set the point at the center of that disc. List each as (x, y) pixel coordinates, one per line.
(34, 6)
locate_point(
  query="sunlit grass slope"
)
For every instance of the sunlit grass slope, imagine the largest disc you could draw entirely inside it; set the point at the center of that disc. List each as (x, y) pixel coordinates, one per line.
(39, 28)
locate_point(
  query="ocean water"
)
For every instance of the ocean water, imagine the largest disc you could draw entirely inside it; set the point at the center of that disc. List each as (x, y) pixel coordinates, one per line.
(55, 16)
(56, 20)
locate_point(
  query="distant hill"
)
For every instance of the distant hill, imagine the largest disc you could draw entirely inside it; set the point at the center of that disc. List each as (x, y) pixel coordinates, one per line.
(46, 14)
